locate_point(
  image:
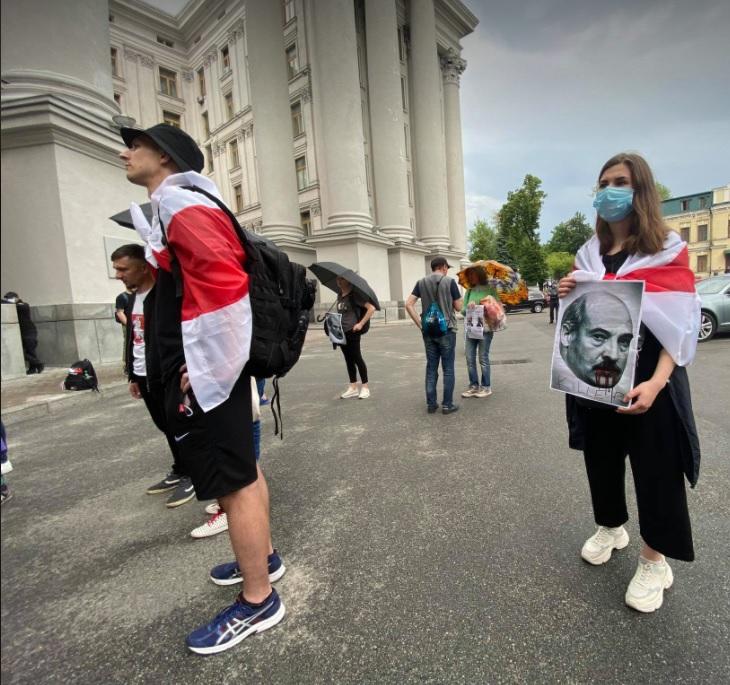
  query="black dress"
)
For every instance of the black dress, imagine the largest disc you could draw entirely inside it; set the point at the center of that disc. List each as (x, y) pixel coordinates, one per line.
(661, 446)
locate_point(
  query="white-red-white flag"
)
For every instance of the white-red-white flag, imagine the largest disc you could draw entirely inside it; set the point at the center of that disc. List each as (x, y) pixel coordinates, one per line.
(671, 306)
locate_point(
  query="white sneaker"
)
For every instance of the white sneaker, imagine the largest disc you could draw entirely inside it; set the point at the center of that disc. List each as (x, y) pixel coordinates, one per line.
(212, 508)
(483, 392)
(217, 523)
(350, 392)
(471, 391)
(7, 467)
(364, 393)
(597, 548)
(646, 589)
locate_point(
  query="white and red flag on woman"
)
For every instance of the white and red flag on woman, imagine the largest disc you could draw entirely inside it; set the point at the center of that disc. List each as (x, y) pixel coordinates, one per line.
(671, 306)
(216, 310)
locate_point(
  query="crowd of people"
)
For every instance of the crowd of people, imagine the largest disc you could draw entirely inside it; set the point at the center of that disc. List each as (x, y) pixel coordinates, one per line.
(212, 421)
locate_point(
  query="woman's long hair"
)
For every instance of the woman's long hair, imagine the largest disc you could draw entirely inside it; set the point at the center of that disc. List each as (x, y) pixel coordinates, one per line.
(648, 230)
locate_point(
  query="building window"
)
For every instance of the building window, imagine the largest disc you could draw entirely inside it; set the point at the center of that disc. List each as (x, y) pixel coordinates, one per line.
(233, 154)
(168, 82)
(702, 232)
(684, 233)
(201, 82)
(701, 263)
(407, 147)
(684, 205)
(404, 92)
(171, 118)
(209, 157)
(165, 41)
(226, 59)
(228, 98)
(292, 61)
(703, 203)
(306, 220)
(118, 99)
(300, 165)
(206, 124)
(288, 10)
(115, 63)
(409, 180)
(297, 123)
(401, 44)
(238, 197)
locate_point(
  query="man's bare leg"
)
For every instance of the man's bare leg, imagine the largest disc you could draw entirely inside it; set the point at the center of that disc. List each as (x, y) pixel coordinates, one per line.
(265, 493)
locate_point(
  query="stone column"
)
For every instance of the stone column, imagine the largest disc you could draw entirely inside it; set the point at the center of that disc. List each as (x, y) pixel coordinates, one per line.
(428, 149)
(388, 138)
(337, 99)
(453, 66)
(272, 129)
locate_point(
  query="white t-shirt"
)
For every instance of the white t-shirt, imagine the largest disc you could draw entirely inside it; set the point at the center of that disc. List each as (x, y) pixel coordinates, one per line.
(139, 365)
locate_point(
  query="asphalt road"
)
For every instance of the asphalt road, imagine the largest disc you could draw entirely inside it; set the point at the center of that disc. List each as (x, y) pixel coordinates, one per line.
(428, 549)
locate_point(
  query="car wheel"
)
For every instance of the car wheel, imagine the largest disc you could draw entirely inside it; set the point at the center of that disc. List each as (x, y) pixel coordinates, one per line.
(537, 308)
(708, 327)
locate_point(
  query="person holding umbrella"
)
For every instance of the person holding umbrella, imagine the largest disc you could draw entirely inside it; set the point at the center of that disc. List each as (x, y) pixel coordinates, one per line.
(356, 303)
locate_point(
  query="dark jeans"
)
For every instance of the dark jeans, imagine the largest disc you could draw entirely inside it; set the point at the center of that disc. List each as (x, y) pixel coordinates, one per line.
(554, 304)
(353, 358)
(154, 399)
(440, 349)
(29, 348)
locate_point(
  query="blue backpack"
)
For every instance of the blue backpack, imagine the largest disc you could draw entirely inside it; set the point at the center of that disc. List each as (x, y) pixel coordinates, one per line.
(433, 322)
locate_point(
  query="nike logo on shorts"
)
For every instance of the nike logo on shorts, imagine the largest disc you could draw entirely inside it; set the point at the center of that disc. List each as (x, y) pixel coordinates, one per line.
(179, 438)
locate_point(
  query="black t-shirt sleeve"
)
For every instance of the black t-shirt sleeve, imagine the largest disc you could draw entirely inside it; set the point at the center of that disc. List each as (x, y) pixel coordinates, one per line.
(417, 290)
(455, 294)
(121, 301)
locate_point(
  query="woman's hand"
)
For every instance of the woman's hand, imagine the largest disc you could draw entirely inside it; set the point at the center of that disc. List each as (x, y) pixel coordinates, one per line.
(134, 390)
(643, 395)
(565, 286)
(471, 305)
(184, 378)
(357, 327)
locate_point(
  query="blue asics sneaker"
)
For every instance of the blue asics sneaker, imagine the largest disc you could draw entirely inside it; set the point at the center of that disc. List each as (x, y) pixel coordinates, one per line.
(230, 574)
(235, 623)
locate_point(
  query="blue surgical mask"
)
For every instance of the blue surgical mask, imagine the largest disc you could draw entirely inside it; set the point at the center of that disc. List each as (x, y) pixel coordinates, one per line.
(614, 204)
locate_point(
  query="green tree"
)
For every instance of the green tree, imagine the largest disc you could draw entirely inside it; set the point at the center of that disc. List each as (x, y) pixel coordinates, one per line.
(569, 235)
(482, 241)
(664, 192)
(518, 236)
(559, 263)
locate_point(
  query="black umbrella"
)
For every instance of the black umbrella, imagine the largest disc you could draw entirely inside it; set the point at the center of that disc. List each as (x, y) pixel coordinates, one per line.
(327, 272)
(125, 218)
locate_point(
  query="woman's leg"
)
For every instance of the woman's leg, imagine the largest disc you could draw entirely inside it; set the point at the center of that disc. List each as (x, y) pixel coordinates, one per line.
(484, 346)
(349, 361)
(470, 350)
(353, 342)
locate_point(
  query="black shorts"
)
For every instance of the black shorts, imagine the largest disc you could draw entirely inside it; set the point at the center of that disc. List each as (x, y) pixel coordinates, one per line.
(216, 448)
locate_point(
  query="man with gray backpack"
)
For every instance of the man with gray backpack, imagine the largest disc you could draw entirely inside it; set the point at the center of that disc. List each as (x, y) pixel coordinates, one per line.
(440, 299)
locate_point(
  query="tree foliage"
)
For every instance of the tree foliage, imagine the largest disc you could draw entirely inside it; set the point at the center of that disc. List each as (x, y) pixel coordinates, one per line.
(559, 263)
(569, 235)
(518, 238)
(664, 192)
(482, 241)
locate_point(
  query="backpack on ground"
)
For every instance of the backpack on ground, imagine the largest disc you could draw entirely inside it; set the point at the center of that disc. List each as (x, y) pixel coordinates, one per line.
(281, 299)
(433, 322)
(81, 376)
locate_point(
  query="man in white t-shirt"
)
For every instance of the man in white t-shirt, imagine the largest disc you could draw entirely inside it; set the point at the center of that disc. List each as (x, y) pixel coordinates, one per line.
(143, 369)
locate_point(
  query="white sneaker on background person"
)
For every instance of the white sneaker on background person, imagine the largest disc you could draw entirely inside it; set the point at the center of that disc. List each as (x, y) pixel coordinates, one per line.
(218, 523)
(598, 548)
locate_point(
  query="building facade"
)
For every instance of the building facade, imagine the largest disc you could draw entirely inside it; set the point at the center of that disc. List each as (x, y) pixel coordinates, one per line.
(331, 126)
(703, 221)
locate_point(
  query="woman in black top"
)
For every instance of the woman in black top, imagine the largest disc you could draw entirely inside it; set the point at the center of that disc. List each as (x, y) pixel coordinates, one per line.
(657, 431)
(356, 312)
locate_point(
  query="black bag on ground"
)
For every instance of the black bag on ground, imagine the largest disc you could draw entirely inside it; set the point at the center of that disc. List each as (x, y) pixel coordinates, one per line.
(81, 376)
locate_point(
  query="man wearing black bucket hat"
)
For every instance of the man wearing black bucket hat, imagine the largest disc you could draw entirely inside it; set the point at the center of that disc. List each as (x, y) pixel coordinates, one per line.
(203, 333)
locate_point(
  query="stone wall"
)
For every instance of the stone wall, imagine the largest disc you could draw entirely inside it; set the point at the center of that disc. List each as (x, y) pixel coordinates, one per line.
(13, 362)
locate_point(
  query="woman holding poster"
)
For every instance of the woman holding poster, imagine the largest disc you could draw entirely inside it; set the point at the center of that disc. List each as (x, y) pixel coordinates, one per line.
(657, 431)
(478, 336)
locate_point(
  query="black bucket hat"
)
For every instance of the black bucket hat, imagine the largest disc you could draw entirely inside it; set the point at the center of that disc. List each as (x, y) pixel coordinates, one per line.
(183, 150)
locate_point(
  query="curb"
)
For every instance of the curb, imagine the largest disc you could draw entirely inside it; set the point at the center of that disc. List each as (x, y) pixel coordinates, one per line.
(60, 404)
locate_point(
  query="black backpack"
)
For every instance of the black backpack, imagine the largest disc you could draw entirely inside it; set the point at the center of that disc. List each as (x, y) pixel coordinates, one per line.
(281, 299)
(81, 376)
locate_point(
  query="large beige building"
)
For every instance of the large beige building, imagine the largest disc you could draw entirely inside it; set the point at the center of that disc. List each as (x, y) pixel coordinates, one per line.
(331, 126)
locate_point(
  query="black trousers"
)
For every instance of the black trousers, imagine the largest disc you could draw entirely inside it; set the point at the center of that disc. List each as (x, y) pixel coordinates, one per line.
(553, 304)
(653, 443)
(29, 348)
(154, 399)
(353, 357)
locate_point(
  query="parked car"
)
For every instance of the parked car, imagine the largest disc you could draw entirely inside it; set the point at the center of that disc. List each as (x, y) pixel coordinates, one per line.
(535, 303)
(714, 294)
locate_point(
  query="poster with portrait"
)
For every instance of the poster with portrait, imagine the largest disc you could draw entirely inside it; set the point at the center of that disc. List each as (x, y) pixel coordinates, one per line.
(596, 341)
(475, 322)
(333, 324)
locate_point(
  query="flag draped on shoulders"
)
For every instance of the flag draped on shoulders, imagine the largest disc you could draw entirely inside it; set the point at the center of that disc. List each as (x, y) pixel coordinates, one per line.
(671, 306)
(216, 310)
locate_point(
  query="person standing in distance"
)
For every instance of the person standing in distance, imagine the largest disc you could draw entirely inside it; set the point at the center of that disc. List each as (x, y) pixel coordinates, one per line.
(442, 289)
(657, 431)
(203, 327)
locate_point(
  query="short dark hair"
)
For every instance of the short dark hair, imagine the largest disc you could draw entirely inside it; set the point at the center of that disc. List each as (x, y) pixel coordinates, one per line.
(575, 314)
(438, 262)
(131, 250)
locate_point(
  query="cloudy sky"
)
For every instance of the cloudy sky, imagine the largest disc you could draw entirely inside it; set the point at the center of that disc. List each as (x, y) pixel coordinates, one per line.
(555, 87)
